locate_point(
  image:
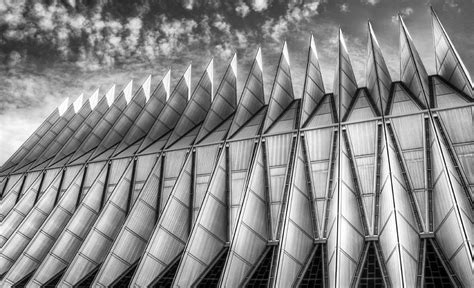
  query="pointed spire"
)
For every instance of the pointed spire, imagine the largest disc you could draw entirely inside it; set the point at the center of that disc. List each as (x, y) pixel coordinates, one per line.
(258, 58)
(282, 91)
(285, 53)
(345, 84)
(110, 95)
(313, 90)
(146, 86)
(223, 104)
(167, 83)
(377, 74)
(233, 64)
(63, 107)
(252, 99)
(412, 70)
(170, 114)
(78, 103)
(187, 79)
(127, 91)
(94, 99)
(197, 107)
(210, 74)
(448, 62)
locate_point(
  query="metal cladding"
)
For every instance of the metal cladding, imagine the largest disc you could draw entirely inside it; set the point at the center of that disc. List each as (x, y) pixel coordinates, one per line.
(366, 186)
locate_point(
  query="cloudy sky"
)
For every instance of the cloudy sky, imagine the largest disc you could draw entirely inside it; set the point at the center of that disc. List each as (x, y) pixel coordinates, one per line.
(53, 49)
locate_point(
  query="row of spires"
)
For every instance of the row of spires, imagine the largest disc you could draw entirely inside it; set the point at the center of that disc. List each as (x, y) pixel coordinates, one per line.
(282, 95)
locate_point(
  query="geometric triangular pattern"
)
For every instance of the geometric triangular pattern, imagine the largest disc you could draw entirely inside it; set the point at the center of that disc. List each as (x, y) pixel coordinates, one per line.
(314, 274)
(224, 103)
(82, 132)
(445, 95)
(371, 275)
(299, 230)
(147, 117)
(452, 211)
(52, 226)
(448, 63)
(345, 84)
(197, 107)
(261, 273)
(377, 74)
(211, 278)
(135, 233)
(170, 114)
(172, 231)
(48, 138)
(412, 71)
(313, 91)
(37, 135)
(120, 128)
(362, 107)
(99, 241)
(382, 197)
(282, 91)
(56, 145)
(197, 258)
(435, 275)
(323, 114)
(253, 228)
(362, 138)
(73, 233)
(401, 101)
(252, 99)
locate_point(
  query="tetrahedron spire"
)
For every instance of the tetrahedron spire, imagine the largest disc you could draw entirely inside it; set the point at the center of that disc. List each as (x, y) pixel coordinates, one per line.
(94, 99)
(282, 91)
(313, 91)
(252, 99)
(170, 114)
(345, 84)
(127, 91)
(147, 117)
(197, 107)
(146, 86)
(258, 58)
(448, 62)
(187, 79)
(110, 95)
(412, 70)
(233, 64)
(167, 84)
(63, 107)
(224, 102)
(78, 103)
(210, 74)
(377, 75)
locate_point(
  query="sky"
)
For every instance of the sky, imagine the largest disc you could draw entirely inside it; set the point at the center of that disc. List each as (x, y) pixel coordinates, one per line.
(53, 49)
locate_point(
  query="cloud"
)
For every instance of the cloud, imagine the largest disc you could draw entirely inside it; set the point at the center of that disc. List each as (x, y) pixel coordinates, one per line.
(260, 5)
(371, 2)
(344, 8)
(242, 9)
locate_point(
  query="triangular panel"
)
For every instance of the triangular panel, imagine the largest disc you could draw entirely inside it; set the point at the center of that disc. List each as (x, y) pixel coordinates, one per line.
(252, 99)
(170, 234)
(448, 63)
(377, 74)
(412, 71)
(224, 103)
(282, 91)
(170, 114)
(313, 91)
(345, 84)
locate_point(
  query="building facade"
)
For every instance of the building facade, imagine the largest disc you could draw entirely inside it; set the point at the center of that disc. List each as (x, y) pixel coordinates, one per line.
(366, 186)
